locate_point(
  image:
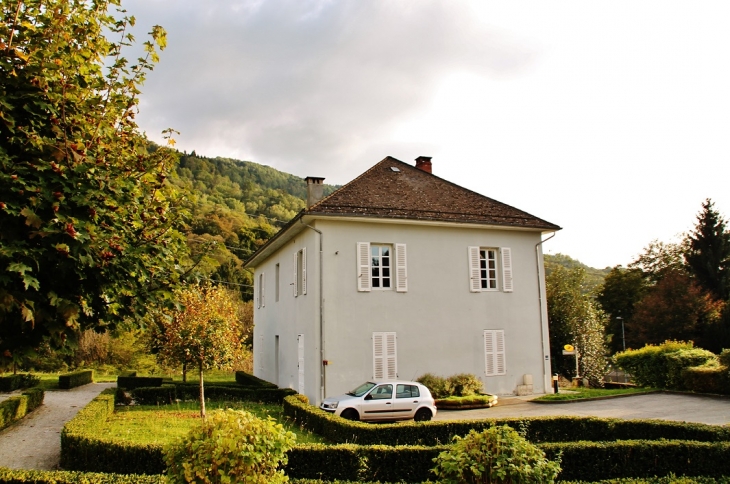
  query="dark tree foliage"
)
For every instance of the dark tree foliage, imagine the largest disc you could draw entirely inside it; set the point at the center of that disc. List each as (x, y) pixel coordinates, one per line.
(708, 254)
(620, 292)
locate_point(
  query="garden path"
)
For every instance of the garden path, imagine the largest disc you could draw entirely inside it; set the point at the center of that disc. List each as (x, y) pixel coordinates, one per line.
(35, 441)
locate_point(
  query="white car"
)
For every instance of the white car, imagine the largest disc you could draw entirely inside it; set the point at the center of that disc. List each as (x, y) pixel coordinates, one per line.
(383, 400)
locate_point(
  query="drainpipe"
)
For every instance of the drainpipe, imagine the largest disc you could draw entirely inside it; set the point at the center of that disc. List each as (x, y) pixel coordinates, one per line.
(321, 317)
(543, 325)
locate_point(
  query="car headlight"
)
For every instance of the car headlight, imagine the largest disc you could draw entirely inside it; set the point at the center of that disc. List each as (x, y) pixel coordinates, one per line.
(330, 405)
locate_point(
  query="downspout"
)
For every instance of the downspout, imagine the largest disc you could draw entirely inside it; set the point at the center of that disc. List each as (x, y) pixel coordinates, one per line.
(321, 317)
(543, 326)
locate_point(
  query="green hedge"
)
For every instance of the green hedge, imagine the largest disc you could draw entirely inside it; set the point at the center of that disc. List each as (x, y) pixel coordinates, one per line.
(661, 366)
(17, 476)
(707, 379)
(10, 383)
(131, 382)
(171, 393)
(247, 379)
(75, 379)
(17, 407)
(538, 429)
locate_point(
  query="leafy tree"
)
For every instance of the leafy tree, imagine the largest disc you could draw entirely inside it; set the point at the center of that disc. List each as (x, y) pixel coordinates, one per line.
(88, 234)
(708, 254)
(620, 292)
(574, 319)
(592, 279)
(659, 258)
(204, 332)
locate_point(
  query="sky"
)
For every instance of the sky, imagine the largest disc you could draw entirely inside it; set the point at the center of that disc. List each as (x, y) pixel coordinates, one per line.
(609, 119)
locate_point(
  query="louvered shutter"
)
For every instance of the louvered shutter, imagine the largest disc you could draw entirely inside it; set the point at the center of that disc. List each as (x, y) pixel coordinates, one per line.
(500, 355)
(304, 270)
(475, 283)
(295, 276)
(363, 266)
(489, 352)
(391, 357)
(378, 356)
(401, 269)
(494, 352)
(506, 269)
(262, 290)
(300, 362)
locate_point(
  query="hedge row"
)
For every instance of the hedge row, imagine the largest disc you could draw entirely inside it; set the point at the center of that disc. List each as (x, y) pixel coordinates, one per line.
(132, 381)
(17, 476)
(247, 379)
(172, 393)
(75, 379)
(537, 429)
(10, 383)
(17, 407)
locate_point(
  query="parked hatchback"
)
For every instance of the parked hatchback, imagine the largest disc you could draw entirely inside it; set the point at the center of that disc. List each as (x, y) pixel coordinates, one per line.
(383, 400)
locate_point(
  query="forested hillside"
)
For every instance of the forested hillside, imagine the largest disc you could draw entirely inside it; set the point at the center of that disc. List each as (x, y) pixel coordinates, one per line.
(593, 277)
(234, 207)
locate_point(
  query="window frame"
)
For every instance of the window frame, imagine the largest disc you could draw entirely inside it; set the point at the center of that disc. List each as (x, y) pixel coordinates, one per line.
(381, 267)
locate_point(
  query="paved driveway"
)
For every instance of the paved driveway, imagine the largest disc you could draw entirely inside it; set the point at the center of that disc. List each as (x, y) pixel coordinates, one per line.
(665, 406)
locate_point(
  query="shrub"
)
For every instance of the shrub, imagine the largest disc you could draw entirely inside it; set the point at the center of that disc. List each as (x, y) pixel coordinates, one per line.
(496, 455)
(131, 382)
(190, 392)
(465, 402)
(9, 383)
(75, 379)
(724, 358)
(440, 387)
(465, 384)
(247, 379)
(661, 366)
(15, 408)
(230, 446)
(17, 476)
(709, 378)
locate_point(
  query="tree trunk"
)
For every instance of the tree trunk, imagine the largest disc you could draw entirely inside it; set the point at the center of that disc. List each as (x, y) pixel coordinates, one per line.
(185, 372)
(202, 392)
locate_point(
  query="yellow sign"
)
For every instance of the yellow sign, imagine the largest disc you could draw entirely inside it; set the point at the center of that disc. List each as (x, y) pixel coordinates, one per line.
(568, 347)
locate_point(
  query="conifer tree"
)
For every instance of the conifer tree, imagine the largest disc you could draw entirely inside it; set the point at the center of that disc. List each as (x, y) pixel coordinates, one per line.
(708, 255)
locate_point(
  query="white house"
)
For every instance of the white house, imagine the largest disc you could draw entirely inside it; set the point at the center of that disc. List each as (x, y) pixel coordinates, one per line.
(400, 273)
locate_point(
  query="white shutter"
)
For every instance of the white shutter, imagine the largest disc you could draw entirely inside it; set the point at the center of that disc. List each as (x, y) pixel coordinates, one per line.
(300, 362)
(363, 266)
(475, 282)
(494, 352)
(304, 270)
(295, 276)
(378, 356)
(391, 357)
(257, 291)
(262, 290)
(506, 269)
(401, 269)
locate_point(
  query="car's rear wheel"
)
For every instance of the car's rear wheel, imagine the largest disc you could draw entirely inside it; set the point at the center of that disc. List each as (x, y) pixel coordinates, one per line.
(423, 415)
(350, 414)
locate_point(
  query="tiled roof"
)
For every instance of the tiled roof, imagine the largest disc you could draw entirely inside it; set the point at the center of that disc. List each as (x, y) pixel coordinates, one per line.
(407, 192)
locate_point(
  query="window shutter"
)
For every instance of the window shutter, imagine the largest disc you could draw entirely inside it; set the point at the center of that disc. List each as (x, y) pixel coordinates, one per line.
(401, 272)
(262, 290)
(501, 366)
(378, 356)
(363, 266)
(304, 270)
(494, 352)
(295, 276)
(257, 291)
(475, 283)
(391, 356)
(506, 269)
(489, 353)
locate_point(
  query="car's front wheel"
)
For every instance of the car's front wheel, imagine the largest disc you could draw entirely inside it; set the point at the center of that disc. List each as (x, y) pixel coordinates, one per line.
(350, 414)
(423, 415)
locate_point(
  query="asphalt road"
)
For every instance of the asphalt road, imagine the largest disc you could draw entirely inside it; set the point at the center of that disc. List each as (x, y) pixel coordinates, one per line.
(664, 406)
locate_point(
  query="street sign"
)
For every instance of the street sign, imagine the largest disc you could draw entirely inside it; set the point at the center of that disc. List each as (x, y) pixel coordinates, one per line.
(568, 352)
(568, 348)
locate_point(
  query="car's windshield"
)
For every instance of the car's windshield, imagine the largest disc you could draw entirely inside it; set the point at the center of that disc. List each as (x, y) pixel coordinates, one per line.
(362, 389)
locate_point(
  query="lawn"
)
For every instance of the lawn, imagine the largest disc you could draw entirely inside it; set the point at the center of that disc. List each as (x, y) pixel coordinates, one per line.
(581, 393)
(163, 424)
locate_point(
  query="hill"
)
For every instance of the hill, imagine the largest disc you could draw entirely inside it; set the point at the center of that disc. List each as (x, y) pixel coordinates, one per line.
(594, 277)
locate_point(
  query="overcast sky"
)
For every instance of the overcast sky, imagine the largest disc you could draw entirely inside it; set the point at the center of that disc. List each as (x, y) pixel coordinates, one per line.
(610, 119)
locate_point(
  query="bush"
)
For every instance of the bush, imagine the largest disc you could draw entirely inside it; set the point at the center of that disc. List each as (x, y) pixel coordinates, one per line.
(15, 408)
(17, 476)
(440, 387)
(133, 381)
(75, 379)
(230, 446)
(711, 378)
(247, 379)
(494, 456)
(465, 384)
(190, 392)
(661, 366)
(10, 383)
(472, 401)
(724, 358)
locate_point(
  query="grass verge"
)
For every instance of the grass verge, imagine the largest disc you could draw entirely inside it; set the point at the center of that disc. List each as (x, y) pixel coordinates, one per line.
(582, 393)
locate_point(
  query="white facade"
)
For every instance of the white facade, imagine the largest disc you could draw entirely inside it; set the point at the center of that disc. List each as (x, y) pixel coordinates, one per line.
(437, 316)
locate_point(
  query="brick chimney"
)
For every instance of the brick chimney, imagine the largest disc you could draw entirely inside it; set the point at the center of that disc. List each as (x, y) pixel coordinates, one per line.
(315, 190)
(424, 163)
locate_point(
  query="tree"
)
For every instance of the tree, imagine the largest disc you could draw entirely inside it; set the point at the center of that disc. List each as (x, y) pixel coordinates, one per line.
(88, 224)
(708, 254)
(659, 258)
(574, 319)
(621, 290)
(204, 332)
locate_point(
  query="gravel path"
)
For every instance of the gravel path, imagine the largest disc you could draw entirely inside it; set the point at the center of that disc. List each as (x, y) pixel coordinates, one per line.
(35, 441)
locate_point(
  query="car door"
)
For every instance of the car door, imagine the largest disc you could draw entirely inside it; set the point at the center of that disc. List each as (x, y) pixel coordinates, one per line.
(378, 404)
(406, 400)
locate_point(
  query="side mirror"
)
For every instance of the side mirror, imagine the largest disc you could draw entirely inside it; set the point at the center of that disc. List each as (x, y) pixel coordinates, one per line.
(368, 397)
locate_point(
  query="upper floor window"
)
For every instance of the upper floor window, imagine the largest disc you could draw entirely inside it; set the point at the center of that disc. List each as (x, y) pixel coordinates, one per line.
(381, 266)
(486, 265)
(488, 268)
(300, 272)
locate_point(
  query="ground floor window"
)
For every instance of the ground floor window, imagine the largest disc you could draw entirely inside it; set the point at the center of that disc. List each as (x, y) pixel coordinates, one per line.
(494, 352)
(385, 356)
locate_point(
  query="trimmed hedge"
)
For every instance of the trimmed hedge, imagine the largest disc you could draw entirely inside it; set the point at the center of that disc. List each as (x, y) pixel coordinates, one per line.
(15, 408)
(17, 476)
(132, 381)
(10, 383)
(247, 379)
(537, 429)
(171, 393)
(75, 379)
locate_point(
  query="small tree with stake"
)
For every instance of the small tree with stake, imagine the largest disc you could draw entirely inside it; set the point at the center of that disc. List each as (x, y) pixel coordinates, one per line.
(204, 332)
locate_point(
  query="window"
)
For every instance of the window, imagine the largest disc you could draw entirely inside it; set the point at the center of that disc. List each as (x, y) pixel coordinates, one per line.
(494, 352)
(406, 391)
(300, 272)
(385, 364)
(383, 392)
(261, 298)
(483, 268)
(381, 267)
(276, 289)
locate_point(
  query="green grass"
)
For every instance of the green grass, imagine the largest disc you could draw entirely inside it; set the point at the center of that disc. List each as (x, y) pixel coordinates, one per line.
(163, 424)
(581, 393)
